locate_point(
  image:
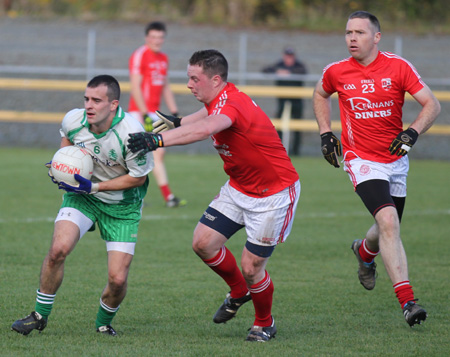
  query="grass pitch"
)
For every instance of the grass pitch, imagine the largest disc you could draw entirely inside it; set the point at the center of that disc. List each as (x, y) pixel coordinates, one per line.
(319, 306)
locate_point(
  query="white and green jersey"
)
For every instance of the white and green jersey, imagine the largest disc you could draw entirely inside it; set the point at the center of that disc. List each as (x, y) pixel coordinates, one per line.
(109, 152)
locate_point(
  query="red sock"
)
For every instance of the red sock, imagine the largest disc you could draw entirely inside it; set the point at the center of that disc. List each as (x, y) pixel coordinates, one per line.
(404, 292)
(366, 254)
(224, 264)
(262, 294)
(165, 191)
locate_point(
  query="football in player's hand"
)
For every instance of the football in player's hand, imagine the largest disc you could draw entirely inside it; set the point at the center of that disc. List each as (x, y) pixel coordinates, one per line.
(71, 160)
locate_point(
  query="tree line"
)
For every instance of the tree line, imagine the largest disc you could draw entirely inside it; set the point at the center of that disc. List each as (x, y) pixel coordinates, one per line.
(315, 15)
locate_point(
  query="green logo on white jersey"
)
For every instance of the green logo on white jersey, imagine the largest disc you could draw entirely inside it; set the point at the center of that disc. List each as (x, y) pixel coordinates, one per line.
(113, 155)
(141, 160)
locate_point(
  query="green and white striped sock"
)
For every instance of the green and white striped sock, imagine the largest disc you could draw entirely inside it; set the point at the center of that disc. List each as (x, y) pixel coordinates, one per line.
(44, 303)
(105, 314)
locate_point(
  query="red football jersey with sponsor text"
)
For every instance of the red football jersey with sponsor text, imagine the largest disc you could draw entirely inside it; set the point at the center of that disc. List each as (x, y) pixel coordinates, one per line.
(252, 152)
(153, 67)
(370, 102)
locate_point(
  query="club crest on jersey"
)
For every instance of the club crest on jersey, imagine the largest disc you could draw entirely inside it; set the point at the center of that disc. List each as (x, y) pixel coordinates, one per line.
(386, 84)
(112, 155)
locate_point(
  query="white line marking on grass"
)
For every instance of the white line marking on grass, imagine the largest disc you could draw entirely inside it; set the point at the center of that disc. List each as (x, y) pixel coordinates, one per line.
(152, 217)
(366, 213)
(300, 215)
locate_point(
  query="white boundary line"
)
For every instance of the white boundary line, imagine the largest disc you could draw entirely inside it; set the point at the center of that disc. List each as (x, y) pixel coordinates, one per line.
(300, 215)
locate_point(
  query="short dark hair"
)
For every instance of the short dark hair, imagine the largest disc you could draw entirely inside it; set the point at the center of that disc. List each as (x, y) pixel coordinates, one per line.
(366, 15)
(113, 91)
(212, 62)
(155, 25)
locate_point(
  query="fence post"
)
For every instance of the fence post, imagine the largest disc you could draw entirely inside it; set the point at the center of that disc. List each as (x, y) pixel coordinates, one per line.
(398, 45)
(242, 58)
(90, 56)
(285, 121)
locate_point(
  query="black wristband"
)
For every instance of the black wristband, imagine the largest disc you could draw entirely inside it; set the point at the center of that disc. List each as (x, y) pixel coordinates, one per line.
(413, 132)
(160, 140)
(177, 121)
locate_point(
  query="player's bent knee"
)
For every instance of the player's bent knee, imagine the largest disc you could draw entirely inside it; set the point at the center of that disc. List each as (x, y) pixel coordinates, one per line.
(55, 257)
(205, 247)
(387, 218)
(58, 253)
(253, 273)
(117, 282)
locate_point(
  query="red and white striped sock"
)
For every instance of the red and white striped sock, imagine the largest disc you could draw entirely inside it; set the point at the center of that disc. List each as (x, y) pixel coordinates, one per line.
(224, 264)
(365, 253)
(404, 292)
(262, 296)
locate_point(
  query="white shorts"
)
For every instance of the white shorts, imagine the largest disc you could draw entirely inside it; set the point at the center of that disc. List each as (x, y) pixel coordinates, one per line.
(84, 224)
(268, 220)
(395, 173)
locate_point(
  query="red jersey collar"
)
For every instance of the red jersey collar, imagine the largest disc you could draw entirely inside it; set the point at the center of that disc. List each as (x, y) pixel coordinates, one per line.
(222, 95)
(371, 64)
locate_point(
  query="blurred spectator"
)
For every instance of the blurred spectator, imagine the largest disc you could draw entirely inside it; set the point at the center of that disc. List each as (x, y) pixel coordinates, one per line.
(7, 5)
(289, 64)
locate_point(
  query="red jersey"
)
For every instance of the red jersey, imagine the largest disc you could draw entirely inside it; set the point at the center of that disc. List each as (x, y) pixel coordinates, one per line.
(252, 152)
(371, 100)
(153, 68)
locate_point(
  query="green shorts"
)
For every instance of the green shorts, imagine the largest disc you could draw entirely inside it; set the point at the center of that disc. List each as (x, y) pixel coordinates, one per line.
(117, 223)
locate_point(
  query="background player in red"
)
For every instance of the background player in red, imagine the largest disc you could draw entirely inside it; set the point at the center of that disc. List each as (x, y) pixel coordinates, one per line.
(371, 85)
(261, 194)
(148, 68)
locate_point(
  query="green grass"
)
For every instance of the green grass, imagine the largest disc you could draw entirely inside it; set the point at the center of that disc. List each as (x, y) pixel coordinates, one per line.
(319, 306)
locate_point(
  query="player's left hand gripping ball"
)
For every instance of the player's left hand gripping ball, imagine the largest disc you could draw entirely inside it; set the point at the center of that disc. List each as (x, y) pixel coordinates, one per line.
(145, 142)
(48, 165)
(403, 142)
(86, 186)
(331, 148)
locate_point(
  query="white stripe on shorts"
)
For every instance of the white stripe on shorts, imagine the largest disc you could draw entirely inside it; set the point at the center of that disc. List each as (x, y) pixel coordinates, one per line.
(125, 247)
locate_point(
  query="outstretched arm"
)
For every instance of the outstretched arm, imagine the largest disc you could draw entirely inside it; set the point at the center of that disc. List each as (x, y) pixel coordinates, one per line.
(169, 122)
(195, 130)
(192, 118)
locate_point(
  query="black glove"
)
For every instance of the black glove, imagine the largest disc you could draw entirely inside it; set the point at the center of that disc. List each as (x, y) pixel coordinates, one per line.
(403, 142)
(166, 122)
(331, 148)
(145, 142)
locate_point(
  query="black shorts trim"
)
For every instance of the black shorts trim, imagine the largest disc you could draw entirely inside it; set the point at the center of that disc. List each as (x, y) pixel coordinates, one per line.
(263, 251)
(219, 222)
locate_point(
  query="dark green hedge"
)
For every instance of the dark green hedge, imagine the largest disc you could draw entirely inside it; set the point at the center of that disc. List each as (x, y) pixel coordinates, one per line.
(317, 15)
